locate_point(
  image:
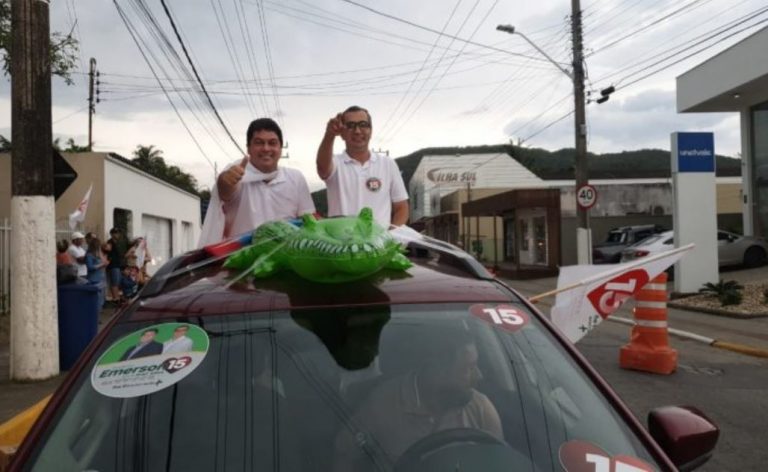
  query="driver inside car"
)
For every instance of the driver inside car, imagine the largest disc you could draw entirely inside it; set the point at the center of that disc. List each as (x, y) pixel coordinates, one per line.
(438, 395)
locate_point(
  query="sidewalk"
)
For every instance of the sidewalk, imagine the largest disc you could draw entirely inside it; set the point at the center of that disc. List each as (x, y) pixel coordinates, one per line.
(17, 396)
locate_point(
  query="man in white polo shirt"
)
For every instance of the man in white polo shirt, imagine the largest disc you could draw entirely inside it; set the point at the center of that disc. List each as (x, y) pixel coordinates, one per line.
(255, 190)
(359, 177)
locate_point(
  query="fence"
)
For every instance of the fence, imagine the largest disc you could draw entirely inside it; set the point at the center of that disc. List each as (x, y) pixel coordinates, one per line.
(5, 262)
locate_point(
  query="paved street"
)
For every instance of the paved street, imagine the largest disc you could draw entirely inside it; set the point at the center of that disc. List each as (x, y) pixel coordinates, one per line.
(731, 388)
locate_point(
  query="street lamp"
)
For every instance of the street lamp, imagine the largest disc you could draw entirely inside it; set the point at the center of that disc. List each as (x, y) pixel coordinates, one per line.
(583, 235)
(511, 30)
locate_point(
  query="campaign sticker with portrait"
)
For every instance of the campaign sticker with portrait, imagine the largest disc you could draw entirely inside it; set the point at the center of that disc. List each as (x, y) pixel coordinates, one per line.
(149, 360)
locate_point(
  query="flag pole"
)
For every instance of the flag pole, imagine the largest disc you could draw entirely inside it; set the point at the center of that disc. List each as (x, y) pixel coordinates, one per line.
(611, 272)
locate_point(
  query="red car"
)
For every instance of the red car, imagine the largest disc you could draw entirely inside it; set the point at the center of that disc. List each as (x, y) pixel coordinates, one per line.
(441, 367)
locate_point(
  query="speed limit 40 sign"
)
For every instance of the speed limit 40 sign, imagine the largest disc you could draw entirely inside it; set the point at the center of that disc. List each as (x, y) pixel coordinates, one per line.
(586, 196)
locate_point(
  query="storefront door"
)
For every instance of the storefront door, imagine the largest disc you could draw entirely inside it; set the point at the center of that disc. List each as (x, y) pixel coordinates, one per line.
(532, 223)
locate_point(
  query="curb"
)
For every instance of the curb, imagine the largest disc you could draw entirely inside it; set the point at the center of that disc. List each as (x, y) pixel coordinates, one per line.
(12, 432)
(741, 348)
(735, 347)
(715, 311)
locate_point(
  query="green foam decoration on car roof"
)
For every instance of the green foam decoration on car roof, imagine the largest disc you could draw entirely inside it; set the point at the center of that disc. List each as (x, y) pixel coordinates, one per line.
(332, 250)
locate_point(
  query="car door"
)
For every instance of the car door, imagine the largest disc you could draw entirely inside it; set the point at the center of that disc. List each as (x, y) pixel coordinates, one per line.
(728, 252)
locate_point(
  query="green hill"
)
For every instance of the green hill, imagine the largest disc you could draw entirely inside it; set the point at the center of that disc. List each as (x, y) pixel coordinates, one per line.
(558, 165)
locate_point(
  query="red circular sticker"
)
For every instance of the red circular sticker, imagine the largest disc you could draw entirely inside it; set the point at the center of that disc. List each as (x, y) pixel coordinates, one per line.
(505, 317)
(373, 184)
(582, 456)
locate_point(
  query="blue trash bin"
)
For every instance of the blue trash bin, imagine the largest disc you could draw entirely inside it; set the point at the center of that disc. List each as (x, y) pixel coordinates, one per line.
(78, 320)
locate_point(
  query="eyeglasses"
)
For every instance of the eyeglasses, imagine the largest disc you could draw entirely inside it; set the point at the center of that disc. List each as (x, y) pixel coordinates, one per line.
(351, 125)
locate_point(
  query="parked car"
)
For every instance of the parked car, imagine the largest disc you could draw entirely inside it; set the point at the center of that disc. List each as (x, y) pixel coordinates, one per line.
(618, 239)
(281, 374)
(732, 248)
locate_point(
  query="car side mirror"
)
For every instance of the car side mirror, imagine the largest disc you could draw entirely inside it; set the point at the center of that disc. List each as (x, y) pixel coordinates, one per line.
(686, 435)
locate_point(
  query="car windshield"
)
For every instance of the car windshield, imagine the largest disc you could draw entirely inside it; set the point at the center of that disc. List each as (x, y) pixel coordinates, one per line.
(616, 237)
(375, 388)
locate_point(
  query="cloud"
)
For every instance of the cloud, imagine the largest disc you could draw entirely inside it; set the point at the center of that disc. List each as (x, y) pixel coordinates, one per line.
(332, 64)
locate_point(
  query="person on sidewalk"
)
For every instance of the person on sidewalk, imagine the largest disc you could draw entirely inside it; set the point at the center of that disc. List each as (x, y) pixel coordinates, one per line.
(96, 264)
(116, 248)
(255, 190)
(359, 177)
(128, 286)
(77, 251)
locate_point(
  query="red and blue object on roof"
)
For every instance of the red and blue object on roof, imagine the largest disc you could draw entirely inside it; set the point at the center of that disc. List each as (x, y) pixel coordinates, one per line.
(228, 246)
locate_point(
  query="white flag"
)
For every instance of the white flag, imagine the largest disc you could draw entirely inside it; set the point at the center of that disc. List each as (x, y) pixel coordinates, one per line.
(141, 252)
(597, 291)
(79, 214)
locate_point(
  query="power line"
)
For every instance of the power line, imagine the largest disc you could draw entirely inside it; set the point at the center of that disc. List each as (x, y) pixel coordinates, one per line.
(688, 44)
(645, 76)
(420, 69)
(149, 64)
(70, 115)
(506, 100)
(229, 45)
(268, 55)
(645, 27)
(445, 71)
(552, 123)
(199, 80)
(425, 28)
(250, 48)
(198, 102)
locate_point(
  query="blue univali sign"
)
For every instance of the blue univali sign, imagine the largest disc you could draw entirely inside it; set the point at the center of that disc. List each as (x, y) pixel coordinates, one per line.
(695, 152)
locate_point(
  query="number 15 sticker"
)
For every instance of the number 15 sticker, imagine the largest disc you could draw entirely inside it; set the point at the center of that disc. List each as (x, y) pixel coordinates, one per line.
(504, 317)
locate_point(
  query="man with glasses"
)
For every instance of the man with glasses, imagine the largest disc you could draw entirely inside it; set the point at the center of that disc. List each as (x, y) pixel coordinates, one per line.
(359, 177)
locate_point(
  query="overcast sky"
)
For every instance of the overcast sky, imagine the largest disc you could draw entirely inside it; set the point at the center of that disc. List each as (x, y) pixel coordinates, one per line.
(472, 85)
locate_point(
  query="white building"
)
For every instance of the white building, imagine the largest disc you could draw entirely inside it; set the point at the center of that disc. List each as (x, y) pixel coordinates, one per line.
(437, 176)
(125, 197)
(515, 217)
(736, 80)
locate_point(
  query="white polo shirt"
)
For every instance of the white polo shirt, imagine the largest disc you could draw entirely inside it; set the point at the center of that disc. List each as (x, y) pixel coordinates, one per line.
(77, 252)
(375, 184)
(284, 197)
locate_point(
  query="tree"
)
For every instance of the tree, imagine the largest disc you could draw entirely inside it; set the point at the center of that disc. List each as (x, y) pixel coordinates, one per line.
(63, 50)
(5, 144)
(150, 160)
(73, 147)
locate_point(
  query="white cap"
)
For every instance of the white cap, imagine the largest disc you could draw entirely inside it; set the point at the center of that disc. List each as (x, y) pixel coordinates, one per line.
(77, 235)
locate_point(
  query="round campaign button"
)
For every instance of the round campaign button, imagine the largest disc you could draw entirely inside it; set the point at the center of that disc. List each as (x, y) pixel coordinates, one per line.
(149, 360)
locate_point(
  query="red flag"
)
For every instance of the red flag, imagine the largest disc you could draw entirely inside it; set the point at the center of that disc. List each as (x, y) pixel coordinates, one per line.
(590, 293)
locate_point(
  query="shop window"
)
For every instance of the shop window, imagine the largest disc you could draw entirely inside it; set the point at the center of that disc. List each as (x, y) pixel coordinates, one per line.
(123, 219)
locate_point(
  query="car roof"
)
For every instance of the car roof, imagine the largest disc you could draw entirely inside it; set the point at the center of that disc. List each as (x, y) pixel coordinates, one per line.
(633, 227)
(191, 285)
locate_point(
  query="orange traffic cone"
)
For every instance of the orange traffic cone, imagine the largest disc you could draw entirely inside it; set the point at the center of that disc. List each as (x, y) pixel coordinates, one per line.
(648, 348)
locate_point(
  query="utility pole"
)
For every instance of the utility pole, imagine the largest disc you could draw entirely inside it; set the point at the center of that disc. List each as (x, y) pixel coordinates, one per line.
(34, 328)
(581, 171)
(91, 104)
